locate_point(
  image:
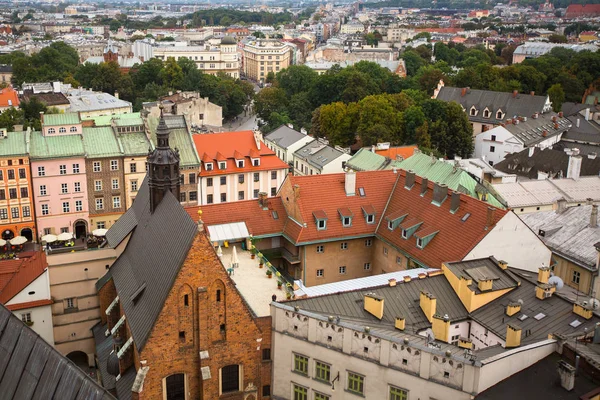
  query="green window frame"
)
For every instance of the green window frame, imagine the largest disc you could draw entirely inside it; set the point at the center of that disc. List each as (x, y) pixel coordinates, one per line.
(322, 371)
(356, 383)
(398, 394)
(321, 396)
(300, 393)
(301, 364)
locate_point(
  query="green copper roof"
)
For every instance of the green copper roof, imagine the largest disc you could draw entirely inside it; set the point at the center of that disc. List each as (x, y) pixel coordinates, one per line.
(62, 146)
(101, 142)
(442, 172)
(366, 160)
(180, 139)
(105, 120)
(61, 119)
(14, 144)
(135, 144)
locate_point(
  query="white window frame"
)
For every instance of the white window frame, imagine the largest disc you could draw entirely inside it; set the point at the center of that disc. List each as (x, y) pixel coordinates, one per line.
(114, 165)
(342, 270)
(99, 203)
(78, 205)
(116, 201)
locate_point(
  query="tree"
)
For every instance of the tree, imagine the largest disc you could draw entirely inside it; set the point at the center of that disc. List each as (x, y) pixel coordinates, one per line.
(315, 123)
(556, 38)
(295, 79)
(300, 110)
(147, 73)
(557, 96)
(258, 35)
(379, 121)
(270, 100)
(413, 118)
(413, 61)
(172, 74)
(108, 78)
(338, 123)
(31, 113)
(11, 117)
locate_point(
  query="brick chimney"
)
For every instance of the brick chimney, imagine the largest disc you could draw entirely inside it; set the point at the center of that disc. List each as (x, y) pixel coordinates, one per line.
(532, 93)
(424, 185)
(574, 168)
(410, 179)
(440, 192)
(454, 202)
(491, 212)
(515, 93)
(594, 216)
(350, 183)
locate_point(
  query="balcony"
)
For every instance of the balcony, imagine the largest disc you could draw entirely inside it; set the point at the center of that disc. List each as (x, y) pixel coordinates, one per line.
(281, 252)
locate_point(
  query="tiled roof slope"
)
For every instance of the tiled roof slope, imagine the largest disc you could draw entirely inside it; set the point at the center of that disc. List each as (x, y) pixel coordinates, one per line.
(258, 221)
(442, 172)
(511, 106)
(14, 144)
(553, 162)
(101, 142)
(9, 97)
(457, 233)
(366, 160)
(327, 193)
(15, 275)
(394, 152)
(151, 269)
(231, 146)
(60, 146)
(128, 221)
(30, 368)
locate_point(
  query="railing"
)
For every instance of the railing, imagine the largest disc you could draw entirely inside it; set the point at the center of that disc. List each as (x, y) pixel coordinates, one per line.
(285, 278)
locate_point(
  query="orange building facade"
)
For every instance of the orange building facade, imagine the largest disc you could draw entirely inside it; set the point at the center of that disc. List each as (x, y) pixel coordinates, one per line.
(16, 197)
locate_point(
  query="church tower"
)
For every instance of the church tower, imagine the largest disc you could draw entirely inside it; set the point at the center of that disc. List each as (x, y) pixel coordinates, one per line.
(163, 166)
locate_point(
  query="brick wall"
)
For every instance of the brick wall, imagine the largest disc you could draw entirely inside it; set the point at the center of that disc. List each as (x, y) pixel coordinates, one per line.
(106, 175)
(181, 331)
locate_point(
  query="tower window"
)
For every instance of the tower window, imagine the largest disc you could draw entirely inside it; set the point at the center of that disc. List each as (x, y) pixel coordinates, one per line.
(186, 300)
(218, 295)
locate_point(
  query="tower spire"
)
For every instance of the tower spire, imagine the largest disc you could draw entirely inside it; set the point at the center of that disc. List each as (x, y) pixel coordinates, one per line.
(163, 166)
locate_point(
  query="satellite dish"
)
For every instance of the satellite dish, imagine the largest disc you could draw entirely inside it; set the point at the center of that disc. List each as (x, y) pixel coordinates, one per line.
(430, 336)
(594, 303)
(556, 281)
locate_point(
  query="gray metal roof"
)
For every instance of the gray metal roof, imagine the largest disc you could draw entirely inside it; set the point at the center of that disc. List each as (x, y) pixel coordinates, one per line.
(587, 131)
(511, 106)
(535, 130)
(400, 301)
(284, 136)
(148, 266)
(30, 368)
(558, 313)
(128, 221)
(568, 233)
(483, 269)
(317, 153)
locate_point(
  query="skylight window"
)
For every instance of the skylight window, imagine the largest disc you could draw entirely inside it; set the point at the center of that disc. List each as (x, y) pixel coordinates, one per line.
(361, 191)
(275, 215)
(523, 317)
(539, 316)
(465, 217)
(575, 323)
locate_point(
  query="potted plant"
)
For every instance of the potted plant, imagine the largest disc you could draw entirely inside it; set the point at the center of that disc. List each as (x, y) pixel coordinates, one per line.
(288, 296)
(252, 252)
(269, 274)
(261, 260)
(279, 284)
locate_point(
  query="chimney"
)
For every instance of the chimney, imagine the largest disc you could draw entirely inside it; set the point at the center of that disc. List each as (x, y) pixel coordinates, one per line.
(512, 308)
(587, 114)
(515, 93)
(583, 309)
(463, 92)
(424, 185)
(574, 169)
(532, 93)
(296, 191)
(545, 133)
(454, 202)
(543, 274)
(410, 179)
(350, 183)
(56, 87)
(567, 375)
(262, 200)
(556, 125)
(594, 216)
(117, 95)
(535, 115)
(554, 118)
(592, 155)
(400, 323)
(373, 304)
(502, 264)
(561, 205)
(440, 192)
(577, 122)
(491, 212)
(427, 301)
(560, 114)
(392, 282)
(513, 336)
(531, 151)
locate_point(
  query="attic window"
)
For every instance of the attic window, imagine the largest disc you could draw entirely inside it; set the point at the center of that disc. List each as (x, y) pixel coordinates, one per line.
(222, 164)
(346, 216)
(208, 166)
(275, 215)
(465, 217)
(256, 162)
(575, 323)
(473, 111)
(321, 224)
(240, 163)
(486, 113)
(370, 219)
(499, 114)
(419, 243)
(391, 225)
(347, 221)
(361, 191)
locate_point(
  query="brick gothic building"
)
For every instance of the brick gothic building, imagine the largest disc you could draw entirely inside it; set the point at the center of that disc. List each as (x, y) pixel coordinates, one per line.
(173, 324)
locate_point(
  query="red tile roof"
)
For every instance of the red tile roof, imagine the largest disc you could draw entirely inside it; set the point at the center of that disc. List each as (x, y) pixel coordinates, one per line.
(326, 193)
(15, 275)
(455, 237)
(29, 304)
(402, 151)
(577, 10)
(229, 146)
(9, 97)
(258, 221)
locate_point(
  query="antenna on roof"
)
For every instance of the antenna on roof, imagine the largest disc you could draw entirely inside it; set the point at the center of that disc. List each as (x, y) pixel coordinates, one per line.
(594, 303)
(430, 336)
(556, 281)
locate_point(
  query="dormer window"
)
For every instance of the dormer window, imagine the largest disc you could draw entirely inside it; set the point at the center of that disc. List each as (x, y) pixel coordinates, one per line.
(222, 164)
(208, 166)
(320, 219)
(62, 129)
(424, 236)
(486, 113)
(499, 114)
(419, 243)
(395, 219)
(346, 216)
(409, 227)
(473, 111)
(240, 163)
(369, 213)
(404, 234)
(256, 162)
(73, 129)
(51, 131)
(391, 225)
(370, 219)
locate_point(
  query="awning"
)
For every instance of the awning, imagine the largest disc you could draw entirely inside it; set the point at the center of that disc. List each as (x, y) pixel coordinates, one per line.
(223, 232)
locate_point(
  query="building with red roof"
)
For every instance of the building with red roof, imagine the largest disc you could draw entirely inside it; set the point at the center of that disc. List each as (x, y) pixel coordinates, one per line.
(236, 166)
(8, 98)
(25, 290)
(582, 10)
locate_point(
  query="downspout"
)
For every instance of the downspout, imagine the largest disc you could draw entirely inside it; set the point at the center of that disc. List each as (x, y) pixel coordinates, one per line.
(304, 263)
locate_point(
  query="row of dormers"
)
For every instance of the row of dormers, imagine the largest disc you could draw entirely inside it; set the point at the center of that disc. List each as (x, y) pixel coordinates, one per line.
(486, 113)
(222, 165)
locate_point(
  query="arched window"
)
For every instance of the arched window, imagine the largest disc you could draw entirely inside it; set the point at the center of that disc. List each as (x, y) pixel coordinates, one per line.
(62, 129)
(499, 115)
(175, 387)
(486, 113)
(73, 129)
(51, 131)
(473, 111)
(230, 378)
